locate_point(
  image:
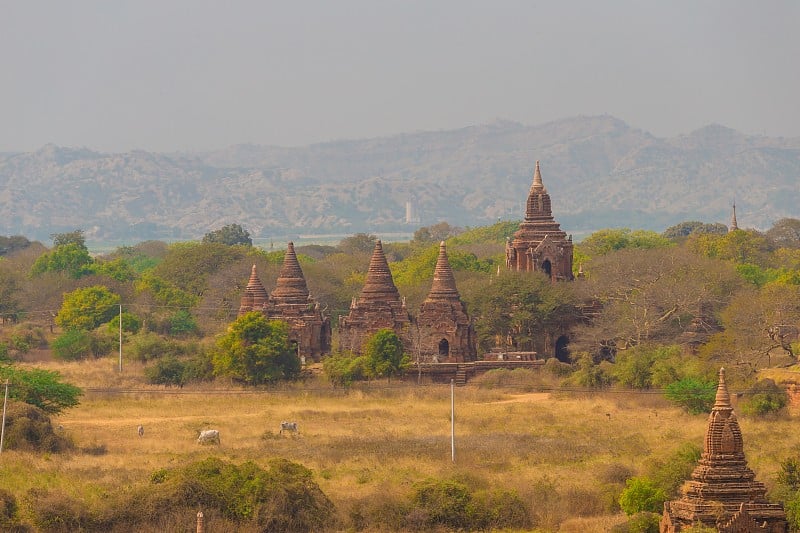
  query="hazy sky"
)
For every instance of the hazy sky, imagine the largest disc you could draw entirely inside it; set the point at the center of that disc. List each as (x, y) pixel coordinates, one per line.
(164, 75)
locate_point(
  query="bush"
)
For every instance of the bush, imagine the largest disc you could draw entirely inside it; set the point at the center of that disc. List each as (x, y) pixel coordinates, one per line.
(282, 498)
(148, 346)
(73, 345)
(764, 398)
(166, 371)
(670, 474)
(55, 511)
(694, 395)
(495, 509)
(28, 428)
(343, 369)
(641, 494)
(644, 522)
(556, 368)
(442, 503)
(8, 510)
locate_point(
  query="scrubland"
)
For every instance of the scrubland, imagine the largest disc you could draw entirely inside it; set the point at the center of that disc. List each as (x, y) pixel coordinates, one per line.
(565, 454)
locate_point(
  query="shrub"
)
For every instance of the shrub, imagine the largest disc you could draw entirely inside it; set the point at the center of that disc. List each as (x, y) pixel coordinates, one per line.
(644, 522)
(343, 369)
(28, 428)
(148, 346)
(495, 509)
(182, 323)
(281, 498)
(670, 474)
(167, 371)
(641, 494)
(73, 345)
(55, 511)
(694, 395)
(556, 368)
(442, 503)
(764, 398)
(8, 510)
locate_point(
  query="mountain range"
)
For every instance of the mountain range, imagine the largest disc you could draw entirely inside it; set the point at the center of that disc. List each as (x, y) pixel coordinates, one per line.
(599, 171)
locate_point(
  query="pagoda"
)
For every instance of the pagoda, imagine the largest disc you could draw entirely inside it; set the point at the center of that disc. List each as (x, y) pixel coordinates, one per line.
(539, 245)
(446, 333)
(723, 492)
(290, 301)
(377, 307)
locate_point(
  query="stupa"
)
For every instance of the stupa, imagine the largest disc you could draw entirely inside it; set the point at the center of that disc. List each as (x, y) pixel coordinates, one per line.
(290, 301)
(377, 307)
(722, 492)
(539, 245)
(446, 333)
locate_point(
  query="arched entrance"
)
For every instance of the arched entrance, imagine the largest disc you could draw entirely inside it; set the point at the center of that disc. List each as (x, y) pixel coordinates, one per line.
(547, 268)
(562, 349)
(444, 348)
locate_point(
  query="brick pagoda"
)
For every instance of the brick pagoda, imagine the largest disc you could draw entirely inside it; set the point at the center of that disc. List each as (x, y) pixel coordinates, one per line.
(291, 302)
(378, 307)
(539, 245)
(446, 333)
(722, 492)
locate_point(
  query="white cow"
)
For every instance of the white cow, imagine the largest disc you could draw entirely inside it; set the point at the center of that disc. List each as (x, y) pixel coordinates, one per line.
(140, 431)
(208, 436)
(288, 426)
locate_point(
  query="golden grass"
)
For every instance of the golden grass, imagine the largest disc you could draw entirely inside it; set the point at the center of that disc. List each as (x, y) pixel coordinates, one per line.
(378, 442)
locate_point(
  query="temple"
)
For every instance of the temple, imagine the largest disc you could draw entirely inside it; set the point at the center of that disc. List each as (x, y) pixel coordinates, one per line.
(539, 245)
(378, 307)
(446, 333)
(734, 225)
(290, 301)
(722, 492)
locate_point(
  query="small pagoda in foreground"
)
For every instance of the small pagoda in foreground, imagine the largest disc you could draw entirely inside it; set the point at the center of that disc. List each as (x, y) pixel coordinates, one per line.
(723, 492)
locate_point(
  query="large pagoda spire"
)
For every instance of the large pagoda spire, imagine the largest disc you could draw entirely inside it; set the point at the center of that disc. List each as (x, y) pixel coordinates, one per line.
(734, 225)
(291, 284)
(379, 284)
(444, 283)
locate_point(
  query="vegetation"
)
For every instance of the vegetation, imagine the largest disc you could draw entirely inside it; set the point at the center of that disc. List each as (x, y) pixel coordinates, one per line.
(379, 450)
(256, 351)
(231, 235)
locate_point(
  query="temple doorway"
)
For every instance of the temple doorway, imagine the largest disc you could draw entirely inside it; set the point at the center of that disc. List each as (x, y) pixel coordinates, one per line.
(444, 348)
(562, 349)
(547, 268)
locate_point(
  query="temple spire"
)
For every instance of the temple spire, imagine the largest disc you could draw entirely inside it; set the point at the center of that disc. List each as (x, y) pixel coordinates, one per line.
(291, 284)
(537, 178)
(734, 225)
(255, 295)
(379, 284)
(444, 283)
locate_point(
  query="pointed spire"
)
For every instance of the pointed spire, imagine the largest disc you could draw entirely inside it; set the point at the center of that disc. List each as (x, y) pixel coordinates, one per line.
(255, 295)
(379, 284)
(291, 283)
(444, 283)
(723, 399)
(734, 225)
(537, 178)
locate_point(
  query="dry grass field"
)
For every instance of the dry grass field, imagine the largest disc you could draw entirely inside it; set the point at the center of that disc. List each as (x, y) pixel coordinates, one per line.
(370, 445)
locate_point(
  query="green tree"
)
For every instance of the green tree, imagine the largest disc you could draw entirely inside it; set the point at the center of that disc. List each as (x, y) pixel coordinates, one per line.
(87, 308)
(609, 240)
(42, 388)
(785, 233)
(694, 395)
(230, 235)
(385, 354)
(71, 259)
(684, 229)
(641, 494)
(360, 243)
(435, 233)
(255, 351)
(72, 345)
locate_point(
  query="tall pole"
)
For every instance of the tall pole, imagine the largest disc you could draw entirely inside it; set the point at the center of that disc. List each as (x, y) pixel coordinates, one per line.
(120, 337)
(3, 428)
(452, 420)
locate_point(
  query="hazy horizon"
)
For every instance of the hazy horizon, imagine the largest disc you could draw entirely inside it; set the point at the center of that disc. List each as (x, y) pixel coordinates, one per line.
(191, 76)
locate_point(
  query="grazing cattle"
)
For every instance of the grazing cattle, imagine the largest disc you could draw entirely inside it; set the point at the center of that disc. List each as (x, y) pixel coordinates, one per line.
(288, 426)
(208, 436)
(140, 431)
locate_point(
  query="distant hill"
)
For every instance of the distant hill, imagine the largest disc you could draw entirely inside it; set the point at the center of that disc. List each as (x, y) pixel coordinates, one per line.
(599, 171)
